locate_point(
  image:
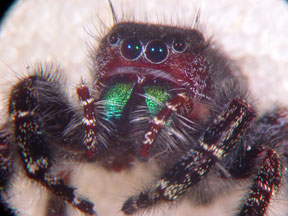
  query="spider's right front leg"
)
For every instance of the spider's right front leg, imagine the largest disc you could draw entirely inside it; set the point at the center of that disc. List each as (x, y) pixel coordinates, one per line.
(221, 136)
(27, 109)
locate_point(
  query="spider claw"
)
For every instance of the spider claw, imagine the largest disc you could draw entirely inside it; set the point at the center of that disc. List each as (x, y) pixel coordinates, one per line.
(84, 205)
(141, 201)
(91, 155)
(130, 206)
(145, 150)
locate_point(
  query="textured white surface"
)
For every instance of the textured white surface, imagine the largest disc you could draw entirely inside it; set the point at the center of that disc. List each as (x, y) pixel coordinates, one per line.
(252, 32)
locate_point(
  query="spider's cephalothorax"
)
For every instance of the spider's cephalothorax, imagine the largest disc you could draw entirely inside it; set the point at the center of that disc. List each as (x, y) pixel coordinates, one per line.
(158, 92)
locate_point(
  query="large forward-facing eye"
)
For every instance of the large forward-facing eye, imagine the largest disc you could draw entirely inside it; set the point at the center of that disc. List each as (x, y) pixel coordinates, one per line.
(156, 51)
(131, 48)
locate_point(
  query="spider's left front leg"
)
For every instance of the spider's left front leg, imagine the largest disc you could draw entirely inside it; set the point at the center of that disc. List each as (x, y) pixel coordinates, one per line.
(221, 136)
(34, 130)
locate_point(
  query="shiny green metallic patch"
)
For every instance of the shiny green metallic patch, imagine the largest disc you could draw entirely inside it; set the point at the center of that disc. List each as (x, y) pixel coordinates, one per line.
(160, 93)
(116, 97)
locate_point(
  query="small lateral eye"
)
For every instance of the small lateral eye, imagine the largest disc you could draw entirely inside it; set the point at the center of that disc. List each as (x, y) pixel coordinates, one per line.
(131, 48)
(113, 38)
(156, 51)
(179, 45)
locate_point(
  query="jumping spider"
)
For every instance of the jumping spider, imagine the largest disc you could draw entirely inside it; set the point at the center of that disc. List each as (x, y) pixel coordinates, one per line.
(157, 92)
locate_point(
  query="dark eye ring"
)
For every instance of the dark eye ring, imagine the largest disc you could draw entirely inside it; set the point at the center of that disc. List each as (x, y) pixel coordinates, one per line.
(113, 38)
(179, 45)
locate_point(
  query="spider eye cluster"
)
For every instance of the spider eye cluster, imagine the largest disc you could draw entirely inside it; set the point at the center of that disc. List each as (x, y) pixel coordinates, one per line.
(155, 51)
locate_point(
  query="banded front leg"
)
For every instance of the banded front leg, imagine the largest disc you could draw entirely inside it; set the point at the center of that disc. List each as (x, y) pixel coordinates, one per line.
(264, 186)
(89, 121)
(27, 115)
(216, 142)
(159, 121)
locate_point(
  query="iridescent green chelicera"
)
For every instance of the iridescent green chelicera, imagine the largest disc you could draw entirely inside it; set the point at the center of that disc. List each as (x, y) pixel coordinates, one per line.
(156, 96)
(117, 96)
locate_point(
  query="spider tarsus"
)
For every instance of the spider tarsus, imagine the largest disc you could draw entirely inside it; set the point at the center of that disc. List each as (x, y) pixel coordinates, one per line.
(130, 206)
(85, 206)
(142, 201)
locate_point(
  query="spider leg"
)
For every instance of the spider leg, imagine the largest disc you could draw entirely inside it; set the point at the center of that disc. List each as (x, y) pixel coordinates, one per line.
(217, 141)
(26, 111)
(4, 160)
(267, 157)
(89, 121)
(265, 185)
(55, 206)
(159, 121)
